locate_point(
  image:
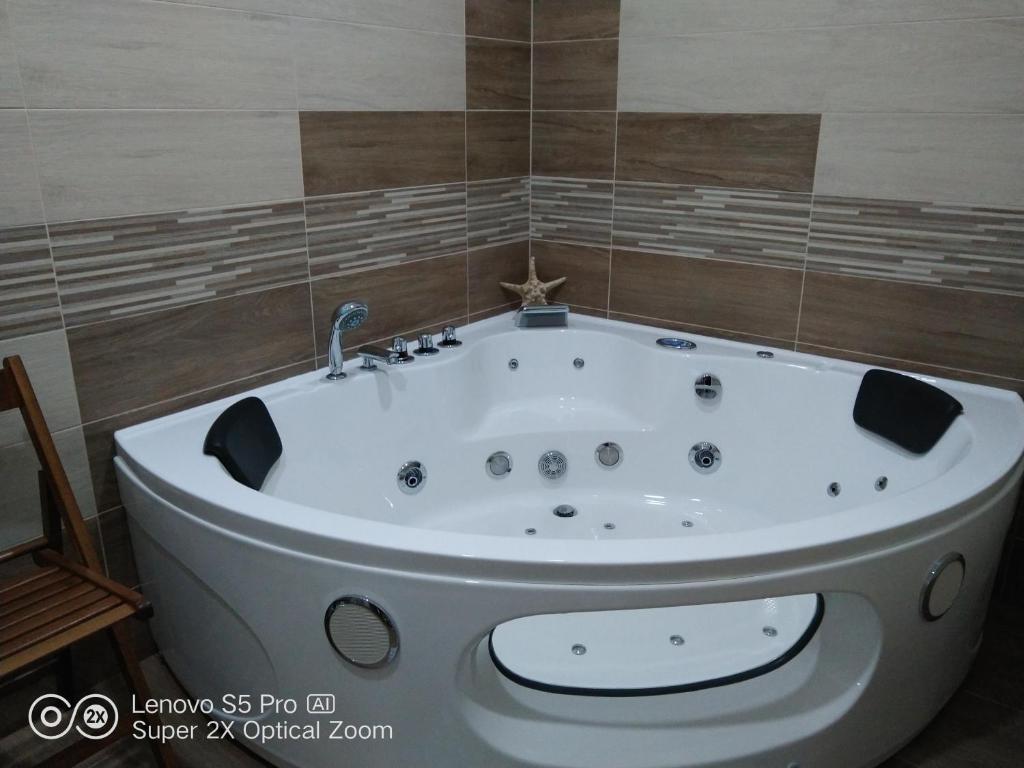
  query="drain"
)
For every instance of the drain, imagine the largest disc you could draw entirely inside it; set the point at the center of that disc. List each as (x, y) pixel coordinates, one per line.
(552, 465)
(498, 464)
(677, 640)
(579, 649)
(705, 457)
(834, 489)
(687, 524)
(530, 531)
(608, 454)
(881, 483)
(770, 631)
(411, 477)
(609, 526)
(564, 510)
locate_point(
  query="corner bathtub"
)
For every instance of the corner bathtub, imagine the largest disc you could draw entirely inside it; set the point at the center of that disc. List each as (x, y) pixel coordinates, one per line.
(742, 617)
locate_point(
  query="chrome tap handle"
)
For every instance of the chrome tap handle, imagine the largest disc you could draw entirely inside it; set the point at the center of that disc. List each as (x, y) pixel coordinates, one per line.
(401, 349)
(448, 337)
(426, 346)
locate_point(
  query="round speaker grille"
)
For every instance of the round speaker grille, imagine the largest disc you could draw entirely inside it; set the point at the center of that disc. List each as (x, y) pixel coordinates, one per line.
(361, 631)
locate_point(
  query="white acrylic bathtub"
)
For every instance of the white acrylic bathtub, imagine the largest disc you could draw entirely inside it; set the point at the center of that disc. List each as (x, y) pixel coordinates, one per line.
(743, 617)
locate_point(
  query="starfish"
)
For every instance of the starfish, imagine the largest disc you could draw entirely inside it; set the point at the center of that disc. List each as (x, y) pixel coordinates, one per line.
(533, 291)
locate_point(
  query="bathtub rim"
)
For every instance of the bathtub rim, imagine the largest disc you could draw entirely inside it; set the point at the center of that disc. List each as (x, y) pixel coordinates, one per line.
(277, 521)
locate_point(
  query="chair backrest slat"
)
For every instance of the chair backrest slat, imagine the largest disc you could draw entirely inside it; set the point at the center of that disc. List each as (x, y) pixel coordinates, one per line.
(8, 392)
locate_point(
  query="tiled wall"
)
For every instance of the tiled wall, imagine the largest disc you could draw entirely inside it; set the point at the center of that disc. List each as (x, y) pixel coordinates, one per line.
(842, 178)
(190, 187)
(188, 190)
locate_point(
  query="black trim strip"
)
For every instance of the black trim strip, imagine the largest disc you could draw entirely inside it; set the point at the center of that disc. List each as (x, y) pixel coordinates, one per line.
(739, 677)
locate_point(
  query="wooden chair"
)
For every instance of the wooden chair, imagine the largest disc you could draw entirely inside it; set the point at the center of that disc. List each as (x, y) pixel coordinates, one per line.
(44, 611)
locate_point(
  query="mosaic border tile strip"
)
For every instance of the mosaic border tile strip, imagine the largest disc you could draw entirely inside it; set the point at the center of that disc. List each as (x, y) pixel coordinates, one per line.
(355, 231)
(751, 226)
(960, 246)
(109, 268)
(571, 210)
(499, 211)
(28, 293)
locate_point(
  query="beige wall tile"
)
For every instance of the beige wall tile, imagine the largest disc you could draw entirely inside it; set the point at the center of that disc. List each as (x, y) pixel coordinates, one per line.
(682, 17)
(892, 67)
(20, 199)
(343, 66)
(19, 503)
(123, 53)
(430, 15)
(10, 86)
(48, 364)
(969, 158)
(109, 163)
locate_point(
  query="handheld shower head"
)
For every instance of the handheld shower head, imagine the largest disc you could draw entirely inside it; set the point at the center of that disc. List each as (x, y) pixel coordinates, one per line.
(350, 315)
(347, 317)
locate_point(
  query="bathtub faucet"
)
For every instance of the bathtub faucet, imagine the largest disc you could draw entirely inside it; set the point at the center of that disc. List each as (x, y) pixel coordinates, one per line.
(397, 354)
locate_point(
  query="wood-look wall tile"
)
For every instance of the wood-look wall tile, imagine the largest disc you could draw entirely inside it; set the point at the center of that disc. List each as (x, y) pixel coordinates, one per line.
(498, 211)
(98, 163)
(579, 145)
(10, 84)
(488, 267)
(429, 15)
(497, 74)
(939, 326)
(736, 297)
(575, 19)
(355, 231)
(125, 364)
(358, 151)
(113, 268)
(726, 150)
(342, 66)
(586, 268)
(571, 210)
(932, 243)
(28, 290)
(938, 371)
(401, 298)
(48, 364)
(498, 145)
(99, 435)
(21, 201)
(505, 19)
(127, 54)
(704, 330)
(575, 75)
